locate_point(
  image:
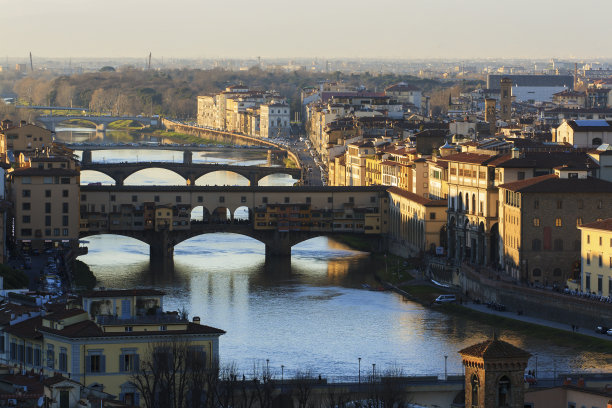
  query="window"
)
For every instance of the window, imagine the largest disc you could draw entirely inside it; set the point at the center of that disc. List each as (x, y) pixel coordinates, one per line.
(537, 272)
(64, 221)
(558, 222)
(559, 204)
(243, 199)
(580, 204)
(600, 260)
(26, 232)
(27, 206)
(64, 193)
(588, 239)
(432, 216)
(95, 363)
(600, 241)
(330, 199)
(536, 222)
(599, 204)
(221, 199)
(536, 204)
(588, 258)
(47, 220)
(134, 198)
(65, 180)
(503, 391)
(37, 356)
(63, 360)
(65, 208)
(50, 357)
(558, 244)
(521, 175)
(536, 245)
(587, 281)
(25, 219)
(29, 357)
(200, 199)
(65, 232)
(25, 193)
(83, 197)
(128, 362)
(178, 199)
(264, 200)
(26, 180)
(578, 221)
(56, 232)
(47, 208)
(286, 200)
(599, 283)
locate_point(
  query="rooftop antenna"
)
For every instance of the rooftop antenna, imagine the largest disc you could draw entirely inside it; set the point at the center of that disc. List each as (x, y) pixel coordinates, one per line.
(31, 64)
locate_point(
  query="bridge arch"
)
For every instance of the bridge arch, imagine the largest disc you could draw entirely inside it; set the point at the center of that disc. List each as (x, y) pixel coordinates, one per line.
(132, 120)
(243, 214)
(278, 178)
(161, 177)
(200, 214)
(95, 177)
(105, 234)
(221, 177)
(79, 120)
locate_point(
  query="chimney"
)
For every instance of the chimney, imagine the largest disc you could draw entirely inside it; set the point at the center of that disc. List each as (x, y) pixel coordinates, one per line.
(196, 319)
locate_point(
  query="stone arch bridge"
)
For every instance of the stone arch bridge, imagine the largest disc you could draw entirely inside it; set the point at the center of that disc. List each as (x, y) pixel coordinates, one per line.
(189, 171)
(101, 122)
(313, 211)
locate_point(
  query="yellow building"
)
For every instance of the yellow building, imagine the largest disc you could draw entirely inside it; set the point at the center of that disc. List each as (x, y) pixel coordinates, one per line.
(416, 224)
(27, 138)
(163, 218)
(596, 257)
(356, 162)
(46, 202)
(103, 343)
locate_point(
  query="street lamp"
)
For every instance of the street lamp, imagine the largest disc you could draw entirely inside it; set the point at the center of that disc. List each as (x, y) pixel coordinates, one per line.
(373, 371)
(267, 366)
(445, 372)
(359, 378)
(282, 376)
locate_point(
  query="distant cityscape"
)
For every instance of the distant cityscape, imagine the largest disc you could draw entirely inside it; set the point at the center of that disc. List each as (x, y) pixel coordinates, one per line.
(489, 180)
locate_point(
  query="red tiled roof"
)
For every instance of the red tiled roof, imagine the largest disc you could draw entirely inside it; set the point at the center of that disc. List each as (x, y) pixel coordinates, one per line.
(494, 349)
(551, 183)
(605, 225)
(476, 158)
(417, 198)
(27, 329)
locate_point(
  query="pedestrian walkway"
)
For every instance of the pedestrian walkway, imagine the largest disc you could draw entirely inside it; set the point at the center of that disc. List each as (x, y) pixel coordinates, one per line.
(589, 331)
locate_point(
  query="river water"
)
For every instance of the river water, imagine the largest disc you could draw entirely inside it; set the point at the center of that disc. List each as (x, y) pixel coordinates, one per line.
(309, 313)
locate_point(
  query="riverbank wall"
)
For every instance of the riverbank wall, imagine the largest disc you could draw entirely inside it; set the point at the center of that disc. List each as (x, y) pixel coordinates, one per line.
(485, 286)
(227, 137)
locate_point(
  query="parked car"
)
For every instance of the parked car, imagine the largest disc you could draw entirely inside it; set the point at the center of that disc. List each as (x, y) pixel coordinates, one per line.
(446, 299)
(609, 332)
(601, 329)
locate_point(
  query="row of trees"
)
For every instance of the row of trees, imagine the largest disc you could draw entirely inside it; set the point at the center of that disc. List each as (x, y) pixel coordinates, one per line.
(176, 375)
(174, 92)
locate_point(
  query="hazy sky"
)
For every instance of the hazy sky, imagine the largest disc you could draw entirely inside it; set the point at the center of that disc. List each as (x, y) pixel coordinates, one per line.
(313, 28)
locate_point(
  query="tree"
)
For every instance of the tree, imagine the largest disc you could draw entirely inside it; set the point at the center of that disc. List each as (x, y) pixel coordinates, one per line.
(173, 375)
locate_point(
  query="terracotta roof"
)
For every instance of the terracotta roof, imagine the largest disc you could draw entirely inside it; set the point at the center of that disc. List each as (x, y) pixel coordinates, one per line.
(601, 225)
(8, 309)
(123, 292)
(476, 158)
(89, 328)
(494, 348)
(56, 379)
(545, 160)
(27, 329)
(64, 314)
(417, 198)
(551, 183)
(33, 383)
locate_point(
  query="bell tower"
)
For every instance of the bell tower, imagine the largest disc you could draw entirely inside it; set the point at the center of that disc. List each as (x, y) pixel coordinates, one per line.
(490, 115)
(494, 374)
(505, 99)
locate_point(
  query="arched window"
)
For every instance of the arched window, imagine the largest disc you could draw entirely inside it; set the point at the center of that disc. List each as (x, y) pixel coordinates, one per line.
(475, 389)
(537, 272)
(473, 203)
(558, 222)
(503, 392)
(467, 203)
(536, 222)
(536, 245)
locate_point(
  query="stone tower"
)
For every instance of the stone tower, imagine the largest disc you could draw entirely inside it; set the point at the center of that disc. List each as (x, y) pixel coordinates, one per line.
(490, 115)
(494, 374)
(505, 100)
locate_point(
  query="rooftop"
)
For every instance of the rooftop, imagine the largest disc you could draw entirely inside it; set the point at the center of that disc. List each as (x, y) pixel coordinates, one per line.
(494, 348)
(551, 183)
(605, 225)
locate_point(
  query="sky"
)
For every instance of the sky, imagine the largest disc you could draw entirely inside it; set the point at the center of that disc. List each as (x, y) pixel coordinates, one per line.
(399, 29)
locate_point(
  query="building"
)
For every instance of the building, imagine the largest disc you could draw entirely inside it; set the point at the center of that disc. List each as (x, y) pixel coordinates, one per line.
(539, 219)
(416, 224)
(46, 202)
(584, 133)
(596, 257)
(505, 99)
(494, 374)
(104, 340)
(531, 88)
(275, 120)
(26, 138)
(570, 99)
(356, 162)
(405, 93)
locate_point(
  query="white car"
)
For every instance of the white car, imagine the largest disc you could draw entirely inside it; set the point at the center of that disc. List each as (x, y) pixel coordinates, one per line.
(446, 299)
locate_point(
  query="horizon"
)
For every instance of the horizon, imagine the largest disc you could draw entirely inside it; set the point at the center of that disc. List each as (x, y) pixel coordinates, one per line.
(273, 29)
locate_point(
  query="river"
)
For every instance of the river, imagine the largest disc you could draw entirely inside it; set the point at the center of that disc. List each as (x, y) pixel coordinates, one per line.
(310, 313)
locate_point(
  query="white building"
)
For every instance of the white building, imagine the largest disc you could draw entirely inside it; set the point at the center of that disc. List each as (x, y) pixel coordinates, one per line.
(584, 133)
(274, 120)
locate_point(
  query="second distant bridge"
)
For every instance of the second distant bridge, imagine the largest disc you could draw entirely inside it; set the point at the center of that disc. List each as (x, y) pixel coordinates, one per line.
(189, 171)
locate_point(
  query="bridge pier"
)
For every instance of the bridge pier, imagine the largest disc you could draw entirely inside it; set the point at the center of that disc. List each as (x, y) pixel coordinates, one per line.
(86, 157)
(101, 127)
(187, 157)
(161, 248)
(279, 246)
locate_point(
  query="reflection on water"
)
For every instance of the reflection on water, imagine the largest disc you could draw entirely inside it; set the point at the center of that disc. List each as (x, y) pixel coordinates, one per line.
(309, 311)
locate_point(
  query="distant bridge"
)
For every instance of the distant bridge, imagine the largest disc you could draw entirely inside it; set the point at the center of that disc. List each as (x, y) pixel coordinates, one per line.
(101, 122)
(189, 171)
(314, 211)
(52, 108)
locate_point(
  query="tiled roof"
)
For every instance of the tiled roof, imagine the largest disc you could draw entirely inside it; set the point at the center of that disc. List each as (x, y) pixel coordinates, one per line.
(417, 198)
(605, 225)
(551, 183)
(27, 329)
(33, 171)
(545, 160)
(64, 314)
(8, 309)
(88, 328)
(476, 158)
(494, 348)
